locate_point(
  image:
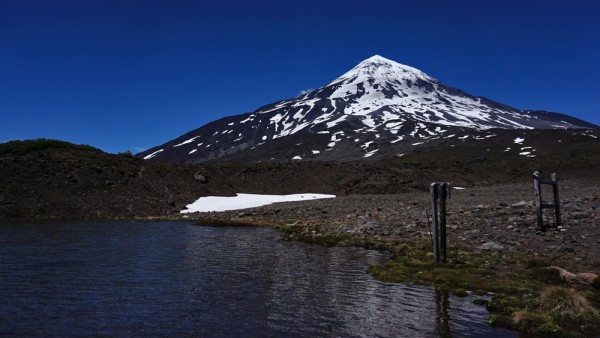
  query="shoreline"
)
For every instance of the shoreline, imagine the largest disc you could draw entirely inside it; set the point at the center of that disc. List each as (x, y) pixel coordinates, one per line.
(494, 245)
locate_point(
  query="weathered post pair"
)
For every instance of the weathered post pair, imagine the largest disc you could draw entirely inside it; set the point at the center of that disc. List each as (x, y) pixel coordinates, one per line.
(439, 193)
(540, 205)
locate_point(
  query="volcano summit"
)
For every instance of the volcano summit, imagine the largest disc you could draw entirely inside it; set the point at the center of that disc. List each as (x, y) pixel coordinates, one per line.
(379, 108)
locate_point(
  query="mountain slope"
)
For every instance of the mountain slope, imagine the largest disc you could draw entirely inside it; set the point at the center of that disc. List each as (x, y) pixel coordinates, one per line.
(378, 108)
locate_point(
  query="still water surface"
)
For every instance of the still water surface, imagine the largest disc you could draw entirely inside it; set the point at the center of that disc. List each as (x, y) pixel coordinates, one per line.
(178, 279)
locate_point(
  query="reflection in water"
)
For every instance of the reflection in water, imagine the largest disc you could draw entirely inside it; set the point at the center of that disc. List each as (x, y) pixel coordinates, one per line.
(442, 322)
(177, 279)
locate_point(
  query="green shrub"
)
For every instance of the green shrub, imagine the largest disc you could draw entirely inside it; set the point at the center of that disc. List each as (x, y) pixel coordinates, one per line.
(126, 154)
(460, 292)
(550, 328)
(492, 319)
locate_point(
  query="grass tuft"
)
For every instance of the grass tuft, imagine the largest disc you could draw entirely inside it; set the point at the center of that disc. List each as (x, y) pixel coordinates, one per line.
(529, 321)
(565, 303)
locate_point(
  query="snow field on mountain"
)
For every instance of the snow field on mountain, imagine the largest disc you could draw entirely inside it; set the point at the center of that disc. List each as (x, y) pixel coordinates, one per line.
(379, 99)
(244, 201)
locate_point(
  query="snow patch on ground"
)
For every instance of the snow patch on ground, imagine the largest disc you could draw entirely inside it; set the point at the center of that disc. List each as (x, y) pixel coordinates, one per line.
(186, 142)
(519, 140)
(371, 153)
(243, 201)
(335, 139)
(153, 154)
(366, 145)
(397, 140)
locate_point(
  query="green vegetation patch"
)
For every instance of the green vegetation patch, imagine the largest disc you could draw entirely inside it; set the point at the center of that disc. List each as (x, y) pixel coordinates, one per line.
(527, 296)
(464, 270)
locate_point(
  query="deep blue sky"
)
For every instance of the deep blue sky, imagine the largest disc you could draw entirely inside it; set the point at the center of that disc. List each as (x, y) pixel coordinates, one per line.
(129, 75)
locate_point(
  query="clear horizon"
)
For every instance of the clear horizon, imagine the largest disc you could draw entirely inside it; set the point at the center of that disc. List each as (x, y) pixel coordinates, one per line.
(132, 75)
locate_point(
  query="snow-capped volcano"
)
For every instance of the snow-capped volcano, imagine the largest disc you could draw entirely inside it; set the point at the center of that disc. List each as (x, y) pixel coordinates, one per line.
(378, 107)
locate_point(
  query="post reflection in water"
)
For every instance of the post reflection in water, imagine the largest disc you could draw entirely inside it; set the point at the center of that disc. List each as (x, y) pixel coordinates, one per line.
(442, 322)
(177, 279)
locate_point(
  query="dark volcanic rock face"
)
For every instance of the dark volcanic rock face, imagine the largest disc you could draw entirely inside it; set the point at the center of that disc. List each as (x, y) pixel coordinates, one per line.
(378, 109)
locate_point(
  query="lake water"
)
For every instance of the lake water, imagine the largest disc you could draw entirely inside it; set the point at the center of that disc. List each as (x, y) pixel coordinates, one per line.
(178, 279)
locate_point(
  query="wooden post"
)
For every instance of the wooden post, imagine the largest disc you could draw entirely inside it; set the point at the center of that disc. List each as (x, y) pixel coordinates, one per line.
(538, 199)
(433, 194)
(443, 195)
(556, 199)
(540, 205)
(439, 191)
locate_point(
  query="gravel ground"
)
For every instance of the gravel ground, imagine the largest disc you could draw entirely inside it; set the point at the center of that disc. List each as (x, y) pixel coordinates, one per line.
(500, 218)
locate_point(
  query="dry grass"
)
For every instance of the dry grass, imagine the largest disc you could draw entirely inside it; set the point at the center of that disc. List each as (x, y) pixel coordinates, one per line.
(565, 302)
(530, 322)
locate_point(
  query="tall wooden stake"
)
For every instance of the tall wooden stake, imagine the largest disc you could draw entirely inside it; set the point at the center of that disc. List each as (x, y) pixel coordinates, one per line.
(433, 194)
(439, 192)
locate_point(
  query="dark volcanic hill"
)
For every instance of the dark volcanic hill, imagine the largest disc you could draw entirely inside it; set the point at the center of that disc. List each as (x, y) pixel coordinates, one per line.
(378, 109)
(51, 179)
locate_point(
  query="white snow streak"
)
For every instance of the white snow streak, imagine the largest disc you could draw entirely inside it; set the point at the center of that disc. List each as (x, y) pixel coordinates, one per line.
(153, 154)
(186, 141)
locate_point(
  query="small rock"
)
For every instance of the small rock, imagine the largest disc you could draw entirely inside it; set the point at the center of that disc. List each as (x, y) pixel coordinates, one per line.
(369, 226)
(200, 178)
(584, 278)
(520, 205)
(570, 207)
(481, 302)
(578, 215)
(491, 246)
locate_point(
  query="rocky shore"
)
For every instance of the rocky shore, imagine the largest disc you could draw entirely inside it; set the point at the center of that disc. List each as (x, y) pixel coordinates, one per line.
(543, 282)
(499, 218)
